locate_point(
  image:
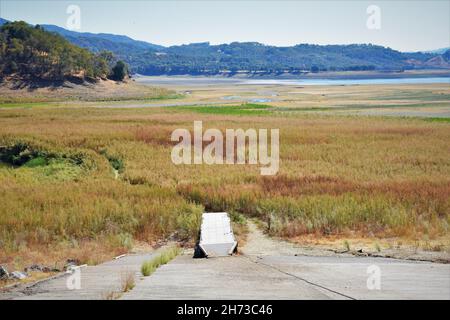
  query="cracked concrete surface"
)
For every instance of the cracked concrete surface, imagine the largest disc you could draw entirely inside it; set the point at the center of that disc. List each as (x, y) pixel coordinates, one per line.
(266, 269)
(275, 269)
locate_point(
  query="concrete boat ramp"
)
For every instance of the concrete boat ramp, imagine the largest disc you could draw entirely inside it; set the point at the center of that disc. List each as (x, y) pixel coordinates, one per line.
(265, 269)
(273, 269)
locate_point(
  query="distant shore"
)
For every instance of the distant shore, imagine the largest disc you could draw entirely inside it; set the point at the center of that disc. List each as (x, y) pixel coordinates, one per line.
(325, 78)
(426, 73)
(377, 74)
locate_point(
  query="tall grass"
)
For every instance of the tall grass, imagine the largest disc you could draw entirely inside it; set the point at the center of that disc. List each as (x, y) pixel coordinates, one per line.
(127, 281)
(150, 266)
(243, 109)
(338, 175)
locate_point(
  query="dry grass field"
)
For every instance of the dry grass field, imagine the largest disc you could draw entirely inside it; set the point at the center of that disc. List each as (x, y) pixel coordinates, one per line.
(86, 181)
(16, 93)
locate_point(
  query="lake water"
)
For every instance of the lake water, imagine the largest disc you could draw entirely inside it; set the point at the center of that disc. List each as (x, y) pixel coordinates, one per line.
(202, 81)
(340, 82)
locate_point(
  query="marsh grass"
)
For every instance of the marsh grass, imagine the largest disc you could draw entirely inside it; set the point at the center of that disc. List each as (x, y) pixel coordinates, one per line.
(243, 109)
(162, 258)
(127, 281)
(239, 225)
(346, 245)
(340, 176)
(110, 295)
(432, 119)
(377, 247)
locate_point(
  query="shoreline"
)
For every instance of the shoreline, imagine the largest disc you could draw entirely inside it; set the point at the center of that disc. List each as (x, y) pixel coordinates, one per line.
(323, 80)
(328, 75)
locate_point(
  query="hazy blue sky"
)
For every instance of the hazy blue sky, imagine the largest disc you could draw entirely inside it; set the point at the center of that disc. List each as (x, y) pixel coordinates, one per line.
(405, 25)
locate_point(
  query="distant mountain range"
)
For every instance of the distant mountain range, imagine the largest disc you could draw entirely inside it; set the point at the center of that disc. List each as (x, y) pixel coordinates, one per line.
(101, 41)
(437, 51)
(251, 58)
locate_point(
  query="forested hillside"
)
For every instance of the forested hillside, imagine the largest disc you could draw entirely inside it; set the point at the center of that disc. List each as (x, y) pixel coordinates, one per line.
(29, 52)
(249, 58)
(252, 57)
(256, 58)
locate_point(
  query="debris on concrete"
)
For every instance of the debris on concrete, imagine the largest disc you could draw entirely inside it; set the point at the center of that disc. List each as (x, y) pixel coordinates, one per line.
(70, 263)
(72, 268)
(18, 275)
(40, 268)
(96, 281)
(34, 267)
(48, 269)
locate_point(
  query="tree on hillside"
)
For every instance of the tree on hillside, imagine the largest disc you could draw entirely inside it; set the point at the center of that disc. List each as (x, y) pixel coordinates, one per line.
(30, 52)
(119, 71)
(314, 69)
(108, 56)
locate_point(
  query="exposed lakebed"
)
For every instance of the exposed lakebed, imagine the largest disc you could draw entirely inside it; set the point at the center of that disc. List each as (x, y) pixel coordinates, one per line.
(202, 81)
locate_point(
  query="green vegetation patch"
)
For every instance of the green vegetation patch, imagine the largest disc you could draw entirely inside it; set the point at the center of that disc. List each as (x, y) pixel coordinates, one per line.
(150, 266)
(436, 119)
(115, 161)
(27, 104)
(30, 162)
(389, 106)
(243, 109)
(414, 95)
(21, 153)
(288, 109)
(36, 162)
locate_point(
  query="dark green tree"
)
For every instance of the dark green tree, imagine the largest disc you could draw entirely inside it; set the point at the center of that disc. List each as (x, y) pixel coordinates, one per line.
(314, 69)
(119, 71)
